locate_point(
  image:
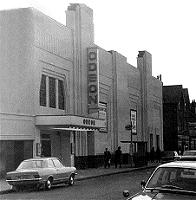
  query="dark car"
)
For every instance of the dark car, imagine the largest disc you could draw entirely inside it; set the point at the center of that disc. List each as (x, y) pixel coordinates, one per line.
(174, 180)
(37, 172)
(189, 155)
(169, 156)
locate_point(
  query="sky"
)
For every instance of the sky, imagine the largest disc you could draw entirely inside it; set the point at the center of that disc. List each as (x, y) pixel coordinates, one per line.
(164, 28)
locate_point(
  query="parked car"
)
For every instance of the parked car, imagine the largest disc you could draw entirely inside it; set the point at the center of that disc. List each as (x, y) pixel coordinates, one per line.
(189, 155)
(38, 172)
(169, 156)
(174, 180)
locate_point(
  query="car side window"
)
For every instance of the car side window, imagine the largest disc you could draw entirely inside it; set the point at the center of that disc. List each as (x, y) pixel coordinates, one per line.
(57, 163)
(50, 164)
(172, 176)
(38, 164)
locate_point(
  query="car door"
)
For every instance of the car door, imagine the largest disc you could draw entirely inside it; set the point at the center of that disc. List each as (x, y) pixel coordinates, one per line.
(61, 171)
(51, 170)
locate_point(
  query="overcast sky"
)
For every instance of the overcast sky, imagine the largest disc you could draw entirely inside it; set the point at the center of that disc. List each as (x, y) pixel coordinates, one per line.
(165, 28)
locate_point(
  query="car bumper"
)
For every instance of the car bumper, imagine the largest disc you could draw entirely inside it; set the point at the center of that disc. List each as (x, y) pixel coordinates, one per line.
(22, 182)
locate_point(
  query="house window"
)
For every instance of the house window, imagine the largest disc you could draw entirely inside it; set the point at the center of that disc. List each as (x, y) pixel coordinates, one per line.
(42, 92)
(61, 96)
(52, 92)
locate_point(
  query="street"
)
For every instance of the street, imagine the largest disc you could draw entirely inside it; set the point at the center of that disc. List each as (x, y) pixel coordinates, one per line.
(108, 187)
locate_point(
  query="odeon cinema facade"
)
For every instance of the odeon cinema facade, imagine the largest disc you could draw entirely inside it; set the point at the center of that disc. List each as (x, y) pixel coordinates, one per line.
(64, 96)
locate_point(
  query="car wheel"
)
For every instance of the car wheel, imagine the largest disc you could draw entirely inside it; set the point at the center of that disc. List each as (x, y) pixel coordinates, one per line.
(15, 188)
(48, 184)
(71, 180)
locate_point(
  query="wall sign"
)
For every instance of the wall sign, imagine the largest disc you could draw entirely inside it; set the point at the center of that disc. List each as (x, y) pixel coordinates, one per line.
(93, 77)
(133, 117)
(89, 122)
(103, 115)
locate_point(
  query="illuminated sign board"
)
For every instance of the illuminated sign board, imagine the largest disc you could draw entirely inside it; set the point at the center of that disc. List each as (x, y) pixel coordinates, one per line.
(103, 115)
(133, 116)
(93, 77)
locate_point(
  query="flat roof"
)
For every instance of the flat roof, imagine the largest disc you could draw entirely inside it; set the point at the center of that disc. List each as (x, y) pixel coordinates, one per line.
(69, 122)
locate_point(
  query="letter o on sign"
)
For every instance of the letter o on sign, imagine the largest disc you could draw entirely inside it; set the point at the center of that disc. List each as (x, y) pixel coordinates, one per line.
(92, 56)
(92, 88)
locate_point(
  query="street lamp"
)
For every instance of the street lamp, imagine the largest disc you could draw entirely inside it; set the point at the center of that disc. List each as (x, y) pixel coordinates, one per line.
(130, 127)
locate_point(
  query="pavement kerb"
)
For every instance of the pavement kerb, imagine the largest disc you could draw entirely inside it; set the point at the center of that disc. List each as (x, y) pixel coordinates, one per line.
(111, 173)
(125, 170)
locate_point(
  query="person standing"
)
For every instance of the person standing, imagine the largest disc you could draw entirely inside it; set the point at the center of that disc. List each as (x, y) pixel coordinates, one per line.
(118, 157)
(107, 158)
(158, 155)
(152, 154)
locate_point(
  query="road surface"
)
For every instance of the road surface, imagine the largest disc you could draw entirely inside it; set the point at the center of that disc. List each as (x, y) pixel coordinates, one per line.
(103, 188)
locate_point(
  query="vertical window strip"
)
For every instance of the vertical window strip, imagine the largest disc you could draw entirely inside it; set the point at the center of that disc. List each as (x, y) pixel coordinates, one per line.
(82, 143)
(85, 144)
(61, 96)
(79, 143)
(57, 96)
(42, 94)
(52, 92)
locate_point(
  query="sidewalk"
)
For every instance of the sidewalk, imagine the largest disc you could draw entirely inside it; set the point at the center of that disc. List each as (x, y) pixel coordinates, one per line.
(87, 174)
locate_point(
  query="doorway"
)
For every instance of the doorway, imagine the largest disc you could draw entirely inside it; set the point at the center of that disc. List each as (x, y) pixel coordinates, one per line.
(45, 145)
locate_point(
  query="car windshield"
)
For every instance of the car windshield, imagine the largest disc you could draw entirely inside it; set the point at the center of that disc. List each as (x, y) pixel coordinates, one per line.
(31, 164)
(173, 178)
(169, 153)
(189, 153)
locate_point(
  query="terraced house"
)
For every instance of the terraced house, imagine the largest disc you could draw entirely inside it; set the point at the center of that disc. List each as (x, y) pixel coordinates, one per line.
(62, 95)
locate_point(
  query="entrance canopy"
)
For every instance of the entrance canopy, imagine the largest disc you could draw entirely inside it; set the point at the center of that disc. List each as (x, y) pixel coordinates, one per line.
(69, 122)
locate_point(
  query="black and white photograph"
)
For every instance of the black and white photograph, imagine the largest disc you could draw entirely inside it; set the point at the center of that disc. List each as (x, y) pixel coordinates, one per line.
(97, 99)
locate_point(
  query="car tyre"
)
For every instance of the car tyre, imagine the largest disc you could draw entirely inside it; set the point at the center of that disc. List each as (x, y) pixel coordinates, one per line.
(15, 188)
(48, 184)
(71, 180)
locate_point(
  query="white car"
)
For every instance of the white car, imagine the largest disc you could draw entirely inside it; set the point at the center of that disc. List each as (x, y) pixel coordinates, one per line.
(37, 172)
(174, 180)
(189, 155)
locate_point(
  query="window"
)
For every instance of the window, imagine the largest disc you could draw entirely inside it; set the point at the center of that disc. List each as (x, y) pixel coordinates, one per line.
(57, 163)
(61, 95)
(171, 177)
(52, 92)
(42, 95)
(50, 164)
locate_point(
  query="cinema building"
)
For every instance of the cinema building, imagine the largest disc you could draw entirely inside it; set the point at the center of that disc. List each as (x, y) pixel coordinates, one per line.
(62, 95)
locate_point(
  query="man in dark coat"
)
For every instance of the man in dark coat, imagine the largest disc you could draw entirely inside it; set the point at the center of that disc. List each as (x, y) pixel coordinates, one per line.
(158, 155)
(107, 158)
(152, 154)
(118, 157)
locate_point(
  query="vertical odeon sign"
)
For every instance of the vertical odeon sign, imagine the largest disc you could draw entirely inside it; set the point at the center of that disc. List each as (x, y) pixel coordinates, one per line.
(93, 77)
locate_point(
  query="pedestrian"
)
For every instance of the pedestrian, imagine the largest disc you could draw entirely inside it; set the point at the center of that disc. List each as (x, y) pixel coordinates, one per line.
(107, 158)
(158, 155)
(118, 157)
(152, 154)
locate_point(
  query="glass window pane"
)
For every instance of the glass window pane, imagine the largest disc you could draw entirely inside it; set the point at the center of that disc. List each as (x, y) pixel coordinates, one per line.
(61, 95)
(50, 164)
(42, 92)
(52, 92)
(57, 163)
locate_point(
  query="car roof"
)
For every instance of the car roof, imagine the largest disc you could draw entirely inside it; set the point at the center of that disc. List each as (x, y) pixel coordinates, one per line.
(41, 158)
(190, 151)
(185, 164)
